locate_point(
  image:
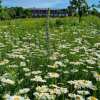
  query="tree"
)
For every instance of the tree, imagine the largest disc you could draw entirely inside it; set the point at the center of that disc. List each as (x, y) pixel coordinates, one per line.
(19, 12)
(0, 6)
(71, 11)
(0, 3)
(98, 5)
(12, 12)
(95, 9)
(79, 6)
(28, 13)
(4, 14)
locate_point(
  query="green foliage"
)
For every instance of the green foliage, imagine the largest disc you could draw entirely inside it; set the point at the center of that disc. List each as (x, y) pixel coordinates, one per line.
(4, 14)
(59, 22)
(0, 3)
(15, 12)
(79, 6)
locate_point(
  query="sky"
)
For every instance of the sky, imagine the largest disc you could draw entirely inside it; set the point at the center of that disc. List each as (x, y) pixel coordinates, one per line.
(41, 3)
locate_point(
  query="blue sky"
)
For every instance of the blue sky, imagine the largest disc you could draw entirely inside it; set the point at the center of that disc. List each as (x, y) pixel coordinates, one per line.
(41, 3)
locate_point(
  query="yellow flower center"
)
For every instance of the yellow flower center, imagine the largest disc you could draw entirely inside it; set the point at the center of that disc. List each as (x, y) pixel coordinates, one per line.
(16, 98)
(98, 75)
(93, 98)
(78, 98)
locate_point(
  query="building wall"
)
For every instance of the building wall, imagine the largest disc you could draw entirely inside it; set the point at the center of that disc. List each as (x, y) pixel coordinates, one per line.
(53, 12)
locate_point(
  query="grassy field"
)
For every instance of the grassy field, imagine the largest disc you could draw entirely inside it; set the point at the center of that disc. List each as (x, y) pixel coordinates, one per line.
(62, 63)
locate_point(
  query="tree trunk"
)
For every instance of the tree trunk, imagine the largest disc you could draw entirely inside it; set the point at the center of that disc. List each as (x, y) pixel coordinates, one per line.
(80, 14)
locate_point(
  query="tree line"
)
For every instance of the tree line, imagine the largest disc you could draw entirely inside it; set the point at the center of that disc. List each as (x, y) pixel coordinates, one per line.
(15, 12)
(76, 8)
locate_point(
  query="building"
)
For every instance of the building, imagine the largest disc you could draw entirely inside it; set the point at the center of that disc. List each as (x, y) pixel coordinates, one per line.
(43, 12)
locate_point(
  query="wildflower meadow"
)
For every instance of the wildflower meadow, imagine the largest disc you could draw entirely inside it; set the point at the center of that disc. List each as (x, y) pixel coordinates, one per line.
(60, 61)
